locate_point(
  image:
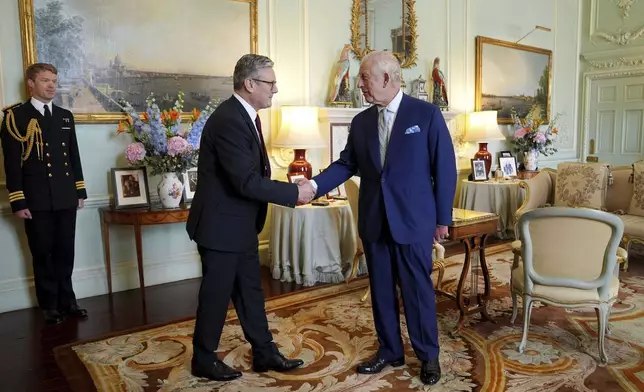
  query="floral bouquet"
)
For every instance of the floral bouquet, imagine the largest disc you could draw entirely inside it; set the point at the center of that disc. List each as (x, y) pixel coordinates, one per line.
(531, 136)
(159, 141)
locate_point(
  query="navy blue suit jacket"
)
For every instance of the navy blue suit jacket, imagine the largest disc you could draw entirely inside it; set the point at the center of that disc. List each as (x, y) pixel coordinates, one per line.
(415, 189)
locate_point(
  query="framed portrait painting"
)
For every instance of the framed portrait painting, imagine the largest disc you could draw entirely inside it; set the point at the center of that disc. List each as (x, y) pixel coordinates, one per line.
(107, 52)
(130, 187)
(510, 75)
(189, 184)
(338, 136)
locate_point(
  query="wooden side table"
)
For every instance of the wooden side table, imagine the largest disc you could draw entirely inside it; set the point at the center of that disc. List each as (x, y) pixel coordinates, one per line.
(136, 217)
(472, 229)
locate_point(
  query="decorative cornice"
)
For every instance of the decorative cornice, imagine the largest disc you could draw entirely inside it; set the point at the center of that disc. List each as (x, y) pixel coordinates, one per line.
(624, 6)
(620, 62)
(614, 74)
(622, 37)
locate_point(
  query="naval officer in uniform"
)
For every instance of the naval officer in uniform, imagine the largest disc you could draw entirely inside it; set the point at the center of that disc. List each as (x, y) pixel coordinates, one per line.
(46, 188)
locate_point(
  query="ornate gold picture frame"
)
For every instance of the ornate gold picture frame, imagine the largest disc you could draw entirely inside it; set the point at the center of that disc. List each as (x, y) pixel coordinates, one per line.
(512, 75)
(404, 36)
(106, 52)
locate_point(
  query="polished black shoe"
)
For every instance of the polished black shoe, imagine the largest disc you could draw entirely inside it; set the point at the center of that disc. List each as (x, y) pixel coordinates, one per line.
(75, 312)
(376, 364)
(430, 372)
(277, 363)
(52, 317)
(216, 371)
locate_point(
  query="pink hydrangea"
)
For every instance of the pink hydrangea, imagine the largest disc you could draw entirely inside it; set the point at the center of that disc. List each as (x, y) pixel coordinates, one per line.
(135, 152)
(177, 146)
(520, 133)
(540, 138)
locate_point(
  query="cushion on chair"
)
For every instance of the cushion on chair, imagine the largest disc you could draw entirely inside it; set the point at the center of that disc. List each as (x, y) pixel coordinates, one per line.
(581, 185)
(637, 200)
(564, 295)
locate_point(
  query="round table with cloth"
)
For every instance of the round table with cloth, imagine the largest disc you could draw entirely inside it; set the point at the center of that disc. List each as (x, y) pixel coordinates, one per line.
(502, 198)
(311, 244)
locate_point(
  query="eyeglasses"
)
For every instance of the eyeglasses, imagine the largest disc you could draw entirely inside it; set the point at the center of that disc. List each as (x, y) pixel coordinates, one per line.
(271, 84)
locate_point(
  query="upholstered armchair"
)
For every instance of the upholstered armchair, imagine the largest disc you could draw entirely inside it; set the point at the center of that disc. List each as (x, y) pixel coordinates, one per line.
(583, 185)
(352, 188)
(569, 259)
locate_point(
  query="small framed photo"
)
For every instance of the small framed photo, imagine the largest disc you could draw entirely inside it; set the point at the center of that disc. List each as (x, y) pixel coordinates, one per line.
(130, 187)
(292, 178)
(503, 154)
(189, 184)
(508, 166)
(478, 170)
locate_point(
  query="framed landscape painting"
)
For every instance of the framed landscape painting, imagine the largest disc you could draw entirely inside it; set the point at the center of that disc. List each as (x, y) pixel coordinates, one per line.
(109, 51)
(511, 75)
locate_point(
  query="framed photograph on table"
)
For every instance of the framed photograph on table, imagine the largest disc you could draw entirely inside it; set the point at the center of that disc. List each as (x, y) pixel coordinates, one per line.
(189, 184)
(508, 166)
(505, 153)
(130, 187)
(478, 170)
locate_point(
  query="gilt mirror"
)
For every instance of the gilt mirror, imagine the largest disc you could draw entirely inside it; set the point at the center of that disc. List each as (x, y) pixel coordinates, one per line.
(385, 25)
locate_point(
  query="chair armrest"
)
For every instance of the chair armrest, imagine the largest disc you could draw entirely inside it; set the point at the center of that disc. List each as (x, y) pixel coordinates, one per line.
(537, 192)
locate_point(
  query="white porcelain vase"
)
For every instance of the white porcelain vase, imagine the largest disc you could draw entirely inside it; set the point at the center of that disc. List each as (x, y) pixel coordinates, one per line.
(531, 160)
(170, 190)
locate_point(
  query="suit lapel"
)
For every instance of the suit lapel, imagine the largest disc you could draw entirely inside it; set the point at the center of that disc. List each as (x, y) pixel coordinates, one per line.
(56, 118)
(247, 119)
(398, 128)
(373, 143)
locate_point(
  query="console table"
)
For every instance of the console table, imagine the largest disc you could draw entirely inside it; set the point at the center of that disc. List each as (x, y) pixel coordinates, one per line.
(136, 217)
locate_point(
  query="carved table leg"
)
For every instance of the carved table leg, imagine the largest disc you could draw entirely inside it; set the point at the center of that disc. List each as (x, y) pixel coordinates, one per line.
(139, 258)
(473, 244)
(108, 261)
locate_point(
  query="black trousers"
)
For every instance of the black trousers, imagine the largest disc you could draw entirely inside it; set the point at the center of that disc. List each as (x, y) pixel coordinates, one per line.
(229, 275)
(51, 236)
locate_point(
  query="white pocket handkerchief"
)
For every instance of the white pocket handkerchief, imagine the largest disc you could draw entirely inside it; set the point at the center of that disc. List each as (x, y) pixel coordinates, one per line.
(413, 129)
(66, 128)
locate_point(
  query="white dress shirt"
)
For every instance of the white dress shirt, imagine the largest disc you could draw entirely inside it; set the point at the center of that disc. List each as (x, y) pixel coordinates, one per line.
(40, 106)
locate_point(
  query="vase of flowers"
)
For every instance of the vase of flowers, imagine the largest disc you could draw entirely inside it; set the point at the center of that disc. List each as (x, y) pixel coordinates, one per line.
(533, 137)
(161, 143)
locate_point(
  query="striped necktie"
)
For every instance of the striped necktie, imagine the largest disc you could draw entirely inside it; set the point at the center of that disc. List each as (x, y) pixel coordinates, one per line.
(383, 134)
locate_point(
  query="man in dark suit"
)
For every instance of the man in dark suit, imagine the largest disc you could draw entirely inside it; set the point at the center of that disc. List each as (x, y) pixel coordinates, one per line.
(227, 214)
(46, 188)
(403, 150)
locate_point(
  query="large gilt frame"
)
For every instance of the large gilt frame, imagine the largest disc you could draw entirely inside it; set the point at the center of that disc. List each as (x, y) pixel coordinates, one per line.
(28, 35)
(478, 90)
(411, 23)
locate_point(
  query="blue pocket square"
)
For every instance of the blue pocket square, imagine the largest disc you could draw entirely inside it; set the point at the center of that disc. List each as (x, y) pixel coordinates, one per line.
(413, 129)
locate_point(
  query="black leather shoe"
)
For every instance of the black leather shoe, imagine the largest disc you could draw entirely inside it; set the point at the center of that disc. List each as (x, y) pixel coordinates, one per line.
(430, 372)
(75, 312)
(376, 364)
(52, 317)
(277, 363)
(216, 371)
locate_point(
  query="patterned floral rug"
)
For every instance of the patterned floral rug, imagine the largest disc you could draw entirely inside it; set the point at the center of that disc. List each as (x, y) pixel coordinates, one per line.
(332, 330)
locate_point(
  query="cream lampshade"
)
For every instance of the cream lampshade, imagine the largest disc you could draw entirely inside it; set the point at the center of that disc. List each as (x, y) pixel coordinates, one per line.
(299, 130)
(482, 127)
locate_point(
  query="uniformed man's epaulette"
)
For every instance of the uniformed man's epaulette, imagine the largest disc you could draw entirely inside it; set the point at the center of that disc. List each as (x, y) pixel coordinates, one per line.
(15, 105)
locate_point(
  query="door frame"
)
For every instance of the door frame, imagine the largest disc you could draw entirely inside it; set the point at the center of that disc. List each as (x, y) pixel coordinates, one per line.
(589, 78)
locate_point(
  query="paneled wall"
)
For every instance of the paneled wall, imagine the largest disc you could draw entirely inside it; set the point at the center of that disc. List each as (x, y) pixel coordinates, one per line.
(304, 38)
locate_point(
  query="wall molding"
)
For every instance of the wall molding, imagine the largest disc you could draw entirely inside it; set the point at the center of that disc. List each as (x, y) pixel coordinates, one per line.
(589, 78)
(92, 281)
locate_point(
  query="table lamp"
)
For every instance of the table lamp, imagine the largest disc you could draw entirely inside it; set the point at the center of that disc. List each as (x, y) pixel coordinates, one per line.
(482, 127)
(299, 130)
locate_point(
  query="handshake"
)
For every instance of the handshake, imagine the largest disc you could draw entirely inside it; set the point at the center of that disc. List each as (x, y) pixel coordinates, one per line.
(305, 191)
